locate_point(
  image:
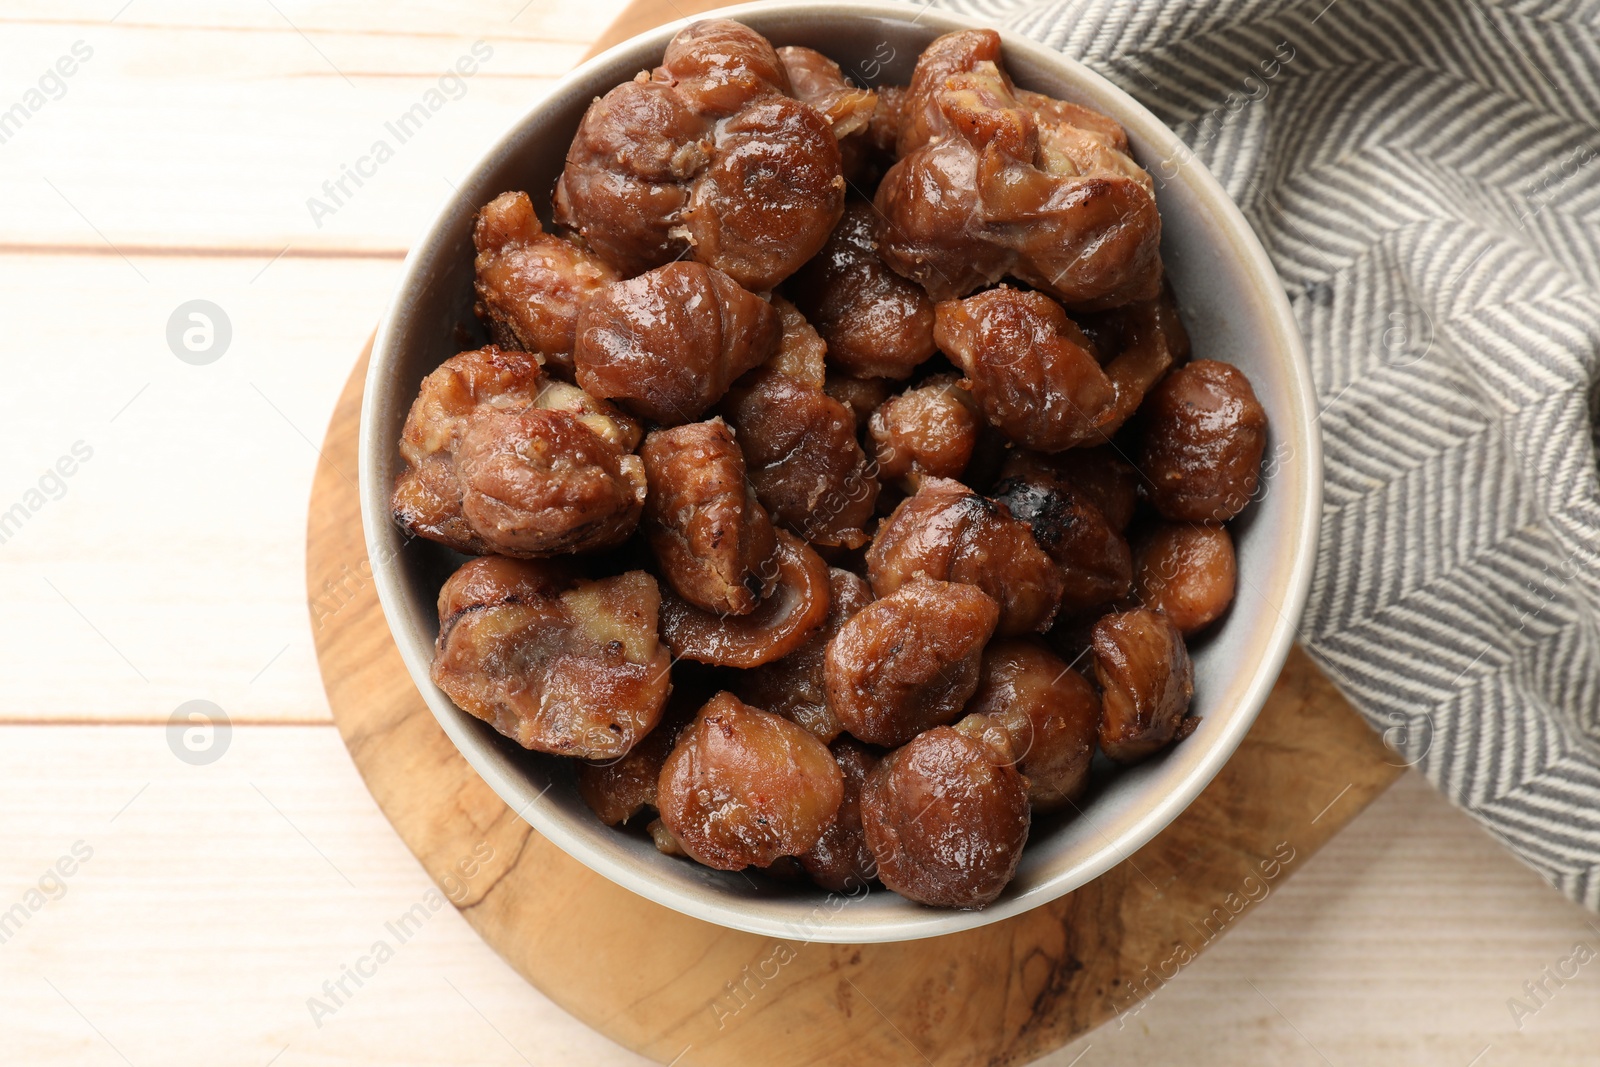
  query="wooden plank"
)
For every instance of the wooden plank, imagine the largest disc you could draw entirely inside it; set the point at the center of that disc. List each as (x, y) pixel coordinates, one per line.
(215, 903)
(540, 20)
(214, 138)
(204, 921)
(209, 920)
(179, 544)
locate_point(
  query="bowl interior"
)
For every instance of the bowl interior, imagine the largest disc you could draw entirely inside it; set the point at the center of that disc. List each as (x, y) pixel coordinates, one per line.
(1235, 311)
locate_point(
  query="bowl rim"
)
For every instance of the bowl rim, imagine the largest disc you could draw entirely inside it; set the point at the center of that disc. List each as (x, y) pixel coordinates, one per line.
(1301, 534)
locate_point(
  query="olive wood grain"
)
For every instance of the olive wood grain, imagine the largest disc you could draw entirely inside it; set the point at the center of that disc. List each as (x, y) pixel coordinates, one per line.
(683, 991)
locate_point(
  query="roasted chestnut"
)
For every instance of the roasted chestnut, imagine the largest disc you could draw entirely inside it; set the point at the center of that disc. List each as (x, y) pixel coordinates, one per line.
(948, 532)
(1146, 681)
(1203, 433)
(1041, 714)
(910, 661)
(946, 818)
(781, 623)
(711, 538)
(554, 662)
(744, 787)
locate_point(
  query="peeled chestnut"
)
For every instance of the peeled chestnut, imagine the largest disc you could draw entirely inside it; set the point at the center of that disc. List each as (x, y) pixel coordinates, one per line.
(541, 483)
(1099, 475)
(992, 181)
(666, 345)
(1040, 713)
(948, 532)
(946, 818)
(554, 662)
(1030, 368)
(743, 787)
(1095, 562)
(427, 493)
(1146, 681)
(1203, 435)
(930, 429)
(530, 283)
(877, 324)
(711, 538)
(1186, 571)
(781, 623)
(806, 464)
(910, 661)
(709, 156)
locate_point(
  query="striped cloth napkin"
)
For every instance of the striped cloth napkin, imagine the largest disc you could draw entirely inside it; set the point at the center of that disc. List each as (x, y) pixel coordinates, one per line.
(1425, 175)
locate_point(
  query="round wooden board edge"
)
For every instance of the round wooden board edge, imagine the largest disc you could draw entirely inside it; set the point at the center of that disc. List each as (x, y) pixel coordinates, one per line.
(669, 986)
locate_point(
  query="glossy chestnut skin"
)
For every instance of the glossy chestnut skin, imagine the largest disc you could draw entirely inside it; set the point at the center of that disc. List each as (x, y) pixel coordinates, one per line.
(556, 663)
(618, 789)
(840, 861)
(773, 192)
(909, 661)
(781, 623)
(877, 324)
(993, 182)
(806, 464)
(1031, 370)
(427, 493)
(540, 483)
(925, 231)
(667, 344)
(862, 396)
(817, 80)
(711, 538)
(794, 686)
(1040, 713)
(1186, 571)
(946, 818)
(1150, 340)
(530, 284)
(1146, 681)
(930, 429)
(744, 787)
(947, 532)
(707, 156)
(1095, 562)
(629, 174)
(1202, 435)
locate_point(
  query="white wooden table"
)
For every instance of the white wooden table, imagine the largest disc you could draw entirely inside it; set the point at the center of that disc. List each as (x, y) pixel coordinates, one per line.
(158, 911)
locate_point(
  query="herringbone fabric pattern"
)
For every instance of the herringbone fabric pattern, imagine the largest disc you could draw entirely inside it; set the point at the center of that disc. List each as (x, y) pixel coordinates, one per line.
(1426, 177)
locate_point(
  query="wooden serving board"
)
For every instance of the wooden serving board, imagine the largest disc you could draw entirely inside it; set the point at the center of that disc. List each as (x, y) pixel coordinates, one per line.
(686, 992)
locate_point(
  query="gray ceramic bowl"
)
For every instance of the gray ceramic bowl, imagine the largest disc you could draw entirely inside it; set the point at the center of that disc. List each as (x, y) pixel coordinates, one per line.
(1235, 310)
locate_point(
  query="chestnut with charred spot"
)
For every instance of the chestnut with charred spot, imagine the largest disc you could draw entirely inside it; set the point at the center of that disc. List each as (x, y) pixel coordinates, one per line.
(948, 532)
